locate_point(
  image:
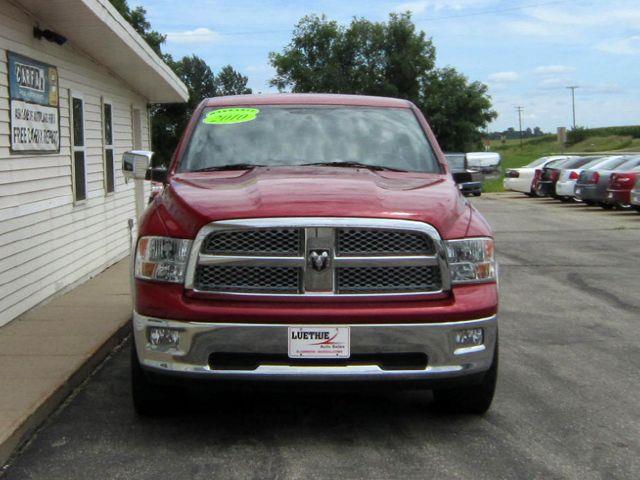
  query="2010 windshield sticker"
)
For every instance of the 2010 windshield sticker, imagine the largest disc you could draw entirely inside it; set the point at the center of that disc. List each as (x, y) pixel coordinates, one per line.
(229, 116)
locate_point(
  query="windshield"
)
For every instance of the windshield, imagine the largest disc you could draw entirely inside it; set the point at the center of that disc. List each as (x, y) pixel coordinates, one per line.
(561, 162)
(301, 135)
(629, 164)
(594, 161)
(537, 162)
(576, 162)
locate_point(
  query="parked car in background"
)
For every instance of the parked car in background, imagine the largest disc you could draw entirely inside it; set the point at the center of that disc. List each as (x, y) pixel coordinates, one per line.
(551, 173)
(487, 163)
(521, 179)
(566, 184)
(592, 184)
(620, 186)
(635, 196)
(459, 165)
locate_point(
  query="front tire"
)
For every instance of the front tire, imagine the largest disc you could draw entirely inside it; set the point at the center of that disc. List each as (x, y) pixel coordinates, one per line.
(471, 400)
(149, 399)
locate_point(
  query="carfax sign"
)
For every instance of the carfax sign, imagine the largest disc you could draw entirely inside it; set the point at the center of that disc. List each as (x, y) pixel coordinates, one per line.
(33, 92)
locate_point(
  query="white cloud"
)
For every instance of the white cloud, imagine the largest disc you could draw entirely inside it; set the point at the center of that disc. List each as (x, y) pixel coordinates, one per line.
(621, 46)
(198, 35)
(420, 6)
(578, 22)
(504, 77)
(554, 69)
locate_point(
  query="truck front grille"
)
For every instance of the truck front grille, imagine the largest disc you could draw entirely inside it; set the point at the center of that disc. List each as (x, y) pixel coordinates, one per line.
(274, 241)
(387, 279)
(327, 256)
(376, 242)
(222, 278)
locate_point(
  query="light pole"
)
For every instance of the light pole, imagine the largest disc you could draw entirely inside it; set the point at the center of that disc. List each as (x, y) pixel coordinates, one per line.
(520, 110)
(573, 103)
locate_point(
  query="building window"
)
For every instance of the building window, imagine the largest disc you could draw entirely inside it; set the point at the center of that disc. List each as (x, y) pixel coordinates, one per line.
(79, 163)
(109, 167)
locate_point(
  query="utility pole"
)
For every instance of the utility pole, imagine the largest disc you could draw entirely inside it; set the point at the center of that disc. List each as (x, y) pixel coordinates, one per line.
(520, 110)
(573, 103)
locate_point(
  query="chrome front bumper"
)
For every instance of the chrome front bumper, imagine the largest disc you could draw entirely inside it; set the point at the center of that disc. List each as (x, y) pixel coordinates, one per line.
(199, 340)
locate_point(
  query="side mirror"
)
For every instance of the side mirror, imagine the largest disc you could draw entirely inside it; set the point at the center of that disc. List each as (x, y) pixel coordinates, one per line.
(135, 164)
(157, 174)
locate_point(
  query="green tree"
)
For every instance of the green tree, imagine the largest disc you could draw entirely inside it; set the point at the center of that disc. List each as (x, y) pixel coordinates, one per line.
(387, 59)
(363, 58)
(230, 82)
(457, 110)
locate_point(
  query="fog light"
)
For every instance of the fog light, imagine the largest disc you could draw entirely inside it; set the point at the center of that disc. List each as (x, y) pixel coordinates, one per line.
(469, 338)
(164, 337)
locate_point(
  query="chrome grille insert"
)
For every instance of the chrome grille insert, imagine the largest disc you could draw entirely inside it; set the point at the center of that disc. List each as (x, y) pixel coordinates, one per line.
(222, 278)
(387, 279)
(274, 241)
(378, 242)
(280, 256)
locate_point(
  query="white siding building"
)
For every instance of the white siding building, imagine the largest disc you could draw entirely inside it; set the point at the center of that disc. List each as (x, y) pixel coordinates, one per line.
(64, 204)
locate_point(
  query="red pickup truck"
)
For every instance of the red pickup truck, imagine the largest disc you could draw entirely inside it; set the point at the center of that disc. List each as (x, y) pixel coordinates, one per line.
(312, 238)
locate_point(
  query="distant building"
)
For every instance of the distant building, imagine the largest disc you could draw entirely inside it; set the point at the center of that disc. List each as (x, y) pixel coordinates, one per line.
(75, 84)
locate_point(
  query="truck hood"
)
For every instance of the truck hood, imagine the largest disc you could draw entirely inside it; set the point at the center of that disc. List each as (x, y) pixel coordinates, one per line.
(192, 200)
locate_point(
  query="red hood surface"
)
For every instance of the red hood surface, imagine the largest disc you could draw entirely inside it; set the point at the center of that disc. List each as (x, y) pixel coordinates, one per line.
(192, 200)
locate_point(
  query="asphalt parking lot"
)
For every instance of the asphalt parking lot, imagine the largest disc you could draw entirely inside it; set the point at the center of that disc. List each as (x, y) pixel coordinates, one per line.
(566, 407)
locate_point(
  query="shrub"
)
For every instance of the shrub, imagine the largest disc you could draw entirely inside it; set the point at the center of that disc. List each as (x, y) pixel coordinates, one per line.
(580, 134)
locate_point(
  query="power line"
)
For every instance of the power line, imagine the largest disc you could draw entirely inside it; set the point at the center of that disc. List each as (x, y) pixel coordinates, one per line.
(501, 10)
(428, 19)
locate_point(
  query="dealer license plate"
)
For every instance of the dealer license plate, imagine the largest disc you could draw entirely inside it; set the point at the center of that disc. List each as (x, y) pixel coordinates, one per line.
(319, 342)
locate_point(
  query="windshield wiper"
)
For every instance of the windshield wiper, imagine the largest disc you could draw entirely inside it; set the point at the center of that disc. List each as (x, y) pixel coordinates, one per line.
(236, 166)
(353, 164)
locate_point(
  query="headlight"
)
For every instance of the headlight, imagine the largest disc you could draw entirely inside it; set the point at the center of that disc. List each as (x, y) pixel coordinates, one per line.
(162, 258)
(471, 260)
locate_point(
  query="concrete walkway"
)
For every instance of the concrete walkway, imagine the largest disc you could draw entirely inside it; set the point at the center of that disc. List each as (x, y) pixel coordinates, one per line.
(48, 351)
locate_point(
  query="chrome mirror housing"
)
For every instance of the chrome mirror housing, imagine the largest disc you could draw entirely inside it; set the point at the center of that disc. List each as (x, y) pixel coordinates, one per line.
(135, 164)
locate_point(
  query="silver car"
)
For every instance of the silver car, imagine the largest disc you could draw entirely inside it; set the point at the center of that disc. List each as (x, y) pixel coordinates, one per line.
(592, 184)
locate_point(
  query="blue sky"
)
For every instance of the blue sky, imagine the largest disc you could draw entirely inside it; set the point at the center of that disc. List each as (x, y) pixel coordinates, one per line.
(527, 51)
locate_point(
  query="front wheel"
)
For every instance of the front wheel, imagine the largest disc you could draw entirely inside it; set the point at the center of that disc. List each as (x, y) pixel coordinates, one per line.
(474, 399)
